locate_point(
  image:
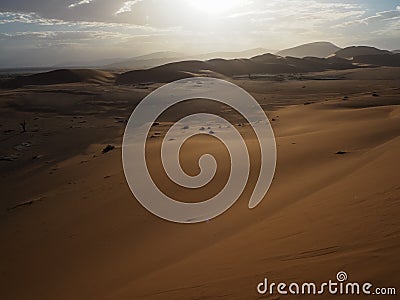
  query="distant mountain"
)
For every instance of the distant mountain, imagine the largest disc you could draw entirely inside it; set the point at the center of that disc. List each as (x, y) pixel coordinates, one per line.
(86, 64)
(146, 61)
(230, 55)
(354, 51)
(267, 63)
(132, 64)
(261, 64)
(160, 58)
(266, 58)
(316, 49)
(159, 55)
(396, 51)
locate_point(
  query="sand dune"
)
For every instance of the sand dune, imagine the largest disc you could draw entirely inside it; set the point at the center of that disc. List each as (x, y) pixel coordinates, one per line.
(353, 51)
(262, 64)
(390, 60)
(61, 76)
(270, 64)
(316, 49)
(88, 238)
(371, 74)
(151, 76)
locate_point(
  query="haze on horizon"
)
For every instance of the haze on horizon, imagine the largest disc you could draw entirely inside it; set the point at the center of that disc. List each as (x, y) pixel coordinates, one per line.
(45, 33)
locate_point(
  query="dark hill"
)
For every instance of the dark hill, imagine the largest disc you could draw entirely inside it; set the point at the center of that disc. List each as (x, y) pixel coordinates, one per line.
(354, 51)
(61, 76)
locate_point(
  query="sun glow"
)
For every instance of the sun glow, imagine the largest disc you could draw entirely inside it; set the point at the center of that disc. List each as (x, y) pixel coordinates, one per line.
(216, 6)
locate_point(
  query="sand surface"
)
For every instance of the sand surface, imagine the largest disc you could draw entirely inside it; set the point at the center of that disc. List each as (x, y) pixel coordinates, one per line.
(71, 229)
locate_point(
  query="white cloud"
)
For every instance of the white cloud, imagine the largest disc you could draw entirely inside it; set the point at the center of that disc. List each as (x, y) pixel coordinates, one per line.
(382, 16)
(34, 19)
(79, 3)
(377, 17)
(301, 11)
(63, 36)
(27, 18)
(127, 7)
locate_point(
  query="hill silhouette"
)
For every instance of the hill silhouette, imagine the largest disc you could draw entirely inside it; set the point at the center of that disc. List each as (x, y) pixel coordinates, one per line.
(354, 51)
(261, 64)
(61, 76)
(316, 49)
(389, 60)
(264, 64)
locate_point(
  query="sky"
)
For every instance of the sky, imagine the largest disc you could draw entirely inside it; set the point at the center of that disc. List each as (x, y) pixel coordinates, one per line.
(51, 32)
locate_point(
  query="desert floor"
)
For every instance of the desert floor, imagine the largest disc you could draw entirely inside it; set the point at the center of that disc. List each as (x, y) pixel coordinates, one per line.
(70, 228)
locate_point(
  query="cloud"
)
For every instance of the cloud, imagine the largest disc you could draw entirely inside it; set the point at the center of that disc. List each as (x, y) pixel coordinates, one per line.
(72, 10)
(27, 18)
(377, 17)
(301, 11)
(159, 25)
(127, 7)
(79, 3)
(64, 35)
(35, 19)
(382, 16)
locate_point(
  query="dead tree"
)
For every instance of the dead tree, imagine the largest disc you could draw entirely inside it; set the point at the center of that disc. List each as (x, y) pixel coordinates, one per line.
(23, 126)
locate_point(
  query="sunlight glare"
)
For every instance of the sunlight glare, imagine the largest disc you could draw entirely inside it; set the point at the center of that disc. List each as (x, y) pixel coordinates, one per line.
(216, 6)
